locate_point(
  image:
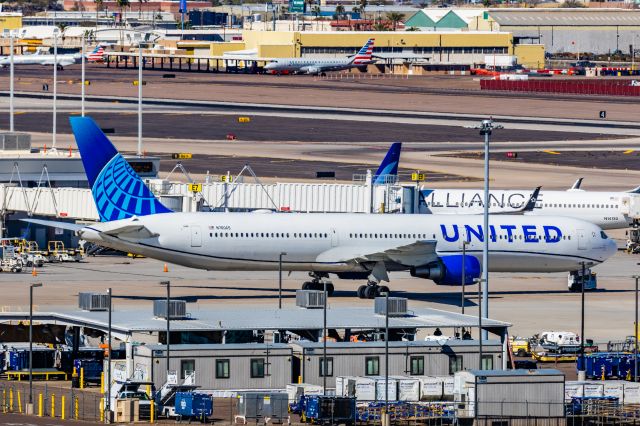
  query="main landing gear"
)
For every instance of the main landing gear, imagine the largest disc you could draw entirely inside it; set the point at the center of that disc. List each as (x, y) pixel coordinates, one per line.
(317, 283)
(371, 290)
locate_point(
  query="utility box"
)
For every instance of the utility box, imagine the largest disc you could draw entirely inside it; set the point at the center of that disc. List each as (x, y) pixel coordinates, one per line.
(127, 410)
(14, 141)
(177, 309)
(397, 306)
(93, 301)
(310, 299)
(509, 393)
(262, 405)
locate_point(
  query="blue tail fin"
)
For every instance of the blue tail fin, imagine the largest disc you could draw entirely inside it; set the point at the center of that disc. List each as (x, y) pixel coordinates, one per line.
(389, 165)
(118, 191)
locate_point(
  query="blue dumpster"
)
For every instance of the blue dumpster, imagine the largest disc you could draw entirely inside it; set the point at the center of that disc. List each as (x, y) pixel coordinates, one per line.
(193, 405)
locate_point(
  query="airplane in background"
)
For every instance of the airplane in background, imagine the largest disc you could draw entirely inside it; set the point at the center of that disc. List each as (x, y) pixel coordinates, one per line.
(63, 60)
(389, 167)
(606, 209)
(350, 245)
(320, 65)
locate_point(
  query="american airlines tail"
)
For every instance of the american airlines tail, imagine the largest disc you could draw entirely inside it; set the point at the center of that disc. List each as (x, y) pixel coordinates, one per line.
(389, 166)
(96, 55)
(118, 191)
(364, 55)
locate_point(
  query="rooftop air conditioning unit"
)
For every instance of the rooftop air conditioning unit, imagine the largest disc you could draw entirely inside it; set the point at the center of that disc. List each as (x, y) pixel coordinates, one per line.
(310, 299)
(177, 309)
(397, 306)
(93, 301)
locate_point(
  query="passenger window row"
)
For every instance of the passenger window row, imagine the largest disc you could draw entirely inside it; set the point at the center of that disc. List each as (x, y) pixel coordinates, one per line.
(316, 235)
(412, 236)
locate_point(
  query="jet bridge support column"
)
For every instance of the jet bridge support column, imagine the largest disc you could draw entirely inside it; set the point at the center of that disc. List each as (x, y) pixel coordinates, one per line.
(369, 192)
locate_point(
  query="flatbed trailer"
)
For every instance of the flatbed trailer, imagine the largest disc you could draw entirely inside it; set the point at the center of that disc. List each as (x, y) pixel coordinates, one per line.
(42, 373)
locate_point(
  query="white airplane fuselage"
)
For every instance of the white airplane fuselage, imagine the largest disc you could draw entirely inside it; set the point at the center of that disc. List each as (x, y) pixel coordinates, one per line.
(47, 59)
(608, 210)
(327, 242)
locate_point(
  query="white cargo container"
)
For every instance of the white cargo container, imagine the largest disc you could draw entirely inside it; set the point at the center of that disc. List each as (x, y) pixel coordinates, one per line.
(296, 390)
(631, 393)
(614, 388)
(381, 388)
(448, 387)
(592, 389)
(409, 389)
(431, 388)
(492, 61)
(573, 389)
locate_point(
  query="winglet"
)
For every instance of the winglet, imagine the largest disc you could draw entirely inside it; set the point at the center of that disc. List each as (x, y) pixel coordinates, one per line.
(531, 204)
(576, 184)
(389, 165)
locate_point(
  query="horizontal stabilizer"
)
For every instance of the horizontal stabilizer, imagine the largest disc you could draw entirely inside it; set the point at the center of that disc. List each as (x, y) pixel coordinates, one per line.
(55, 224)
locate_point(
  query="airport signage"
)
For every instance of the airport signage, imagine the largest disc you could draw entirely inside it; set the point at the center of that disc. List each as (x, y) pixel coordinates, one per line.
(297, 6)
(244, 119)
(225, 178)
(195, 187)
(182, 156)
(418, 177)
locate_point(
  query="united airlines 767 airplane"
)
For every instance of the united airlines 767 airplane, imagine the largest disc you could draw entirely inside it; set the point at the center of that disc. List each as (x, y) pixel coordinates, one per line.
(357, 246)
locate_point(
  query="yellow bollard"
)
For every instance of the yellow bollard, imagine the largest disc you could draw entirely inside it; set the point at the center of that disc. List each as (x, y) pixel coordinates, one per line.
(40, 405)
(152, 411)
(81, 377)
(10, 400)
(4, 401)
(62, 407)
(19, 402)
(76, 408)
(101, 410)
(102, 382)
(53, 405)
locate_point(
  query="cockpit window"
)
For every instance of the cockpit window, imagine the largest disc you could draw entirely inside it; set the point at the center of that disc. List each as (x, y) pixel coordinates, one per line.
(603, 235)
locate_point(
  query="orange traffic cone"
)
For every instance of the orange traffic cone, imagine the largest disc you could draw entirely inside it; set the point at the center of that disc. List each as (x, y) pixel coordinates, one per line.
(166, 268)
(34, 273)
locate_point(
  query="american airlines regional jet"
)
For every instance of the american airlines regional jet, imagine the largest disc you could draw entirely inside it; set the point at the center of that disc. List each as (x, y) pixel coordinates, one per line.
(350, 245)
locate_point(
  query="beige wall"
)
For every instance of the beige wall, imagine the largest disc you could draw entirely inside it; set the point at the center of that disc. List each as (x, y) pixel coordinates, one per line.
(530, 55)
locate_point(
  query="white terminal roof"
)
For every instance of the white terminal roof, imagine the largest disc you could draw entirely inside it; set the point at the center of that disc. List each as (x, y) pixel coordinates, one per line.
(255, 318)
(566, 17)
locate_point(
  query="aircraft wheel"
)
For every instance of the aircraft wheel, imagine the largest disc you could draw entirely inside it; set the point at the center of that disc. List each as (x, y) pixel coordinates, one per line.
(382, 289)
(370, 292)
(308, 285)
(361, 290)
(330, 289)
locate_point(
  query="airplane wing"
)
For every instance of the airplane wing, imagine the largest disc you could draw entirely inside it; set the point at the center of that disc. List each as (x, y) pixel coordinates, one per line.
(56, 224)
(414, 254)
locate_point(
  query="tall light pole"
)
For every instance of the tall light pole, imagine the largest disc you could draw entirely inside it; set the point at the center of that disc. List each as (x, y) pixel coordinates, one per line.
(11, 128)
(465, 243)
(82, 75)
(635, 336)
(107, 417)
(280, 279)
(168, 284)
(31, 287)
(140, 102)
(486, 128)
(324, 339)
(386, 356)
(478, 281)
(55, 88)
(581, 373)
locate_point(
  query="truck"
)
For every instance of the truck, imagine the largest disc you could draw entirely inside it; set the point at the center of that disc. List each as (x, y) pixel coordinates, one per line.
(520, 346)
(576, 280)
(560, 342)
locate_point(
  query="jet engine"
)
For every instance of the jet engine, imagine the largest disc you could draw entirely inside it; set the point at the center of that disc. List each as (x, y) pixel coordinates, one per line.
(310, 70)
(448, 270)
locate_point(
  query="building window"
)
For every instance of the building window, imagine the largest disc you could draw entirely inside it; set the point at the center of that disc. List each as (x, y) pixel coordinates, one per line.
(417, 366)
(487, 362)
(222, 369)
(329, 366)
(372, 366)
(257, 368)
(187, 366)
(455, 363)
